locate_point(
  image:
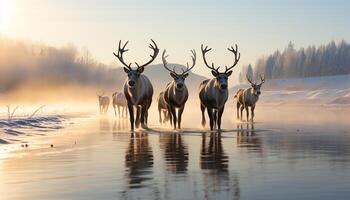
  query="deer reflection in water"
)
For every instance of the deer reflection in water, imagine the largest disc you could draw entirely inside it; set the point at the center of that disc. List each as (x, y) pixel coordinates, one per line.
(175, 152)
(104, 124)
(120, 124)
(138, 160)
(214, 163)
(246, 137)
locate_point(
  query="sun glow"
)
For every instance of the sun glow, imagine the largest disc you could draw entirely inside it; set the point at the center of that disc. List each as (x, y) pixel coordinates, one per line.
(6, 11)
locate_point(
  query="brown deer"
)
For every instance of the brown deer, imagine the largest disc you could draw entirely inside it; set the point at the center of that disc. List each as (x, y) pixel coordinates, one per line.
(119, 100)
(176, 92)
(162, 107)
(103, 103)
(138, 89)
(248, 97)
(213, 93)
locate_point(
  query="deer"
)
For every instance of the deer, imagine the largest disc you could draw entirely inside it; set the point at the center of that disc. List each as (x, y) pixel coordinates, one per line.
(213, 93)
(176, 92)
(162, 107)
(103, 103)
(119, 100)
(138, 89)
(248, 97)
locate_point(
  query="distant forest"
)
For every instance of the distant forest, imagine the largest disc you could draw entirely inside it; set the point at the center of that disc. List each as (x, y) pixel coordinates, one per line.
(324, 60)
(23, 63)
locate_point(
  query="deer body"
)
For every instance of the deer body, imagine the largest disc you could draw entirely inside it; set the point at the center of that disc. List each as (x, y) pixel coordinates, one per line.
(162, 107)
(213, 92)
(247, 98)
(103, 103)
(140, 98)
(211, 95)
(175, 99)
(138, 89)
(176, 93)
(119, 100)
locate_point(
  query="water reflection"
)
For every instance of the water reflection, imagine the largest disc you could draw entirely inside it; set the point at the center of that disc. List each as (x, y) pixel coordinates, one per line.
(175, 152)
(138, 160)
(247, 138)
(120, 124)
(218, 180)
(104, 124)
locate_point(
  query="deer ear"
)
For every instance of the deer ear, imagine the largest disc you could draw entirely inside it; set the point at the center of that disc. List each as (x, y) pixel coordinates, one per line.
(185, 75)
(126, 70)
(214, 73)
(229, 73)
(173, 75)
(140, 70)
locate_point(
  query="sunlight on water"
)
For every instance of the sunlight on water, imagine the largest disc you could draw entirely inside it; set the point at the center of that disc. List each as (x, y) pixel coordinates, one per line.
(245, 161)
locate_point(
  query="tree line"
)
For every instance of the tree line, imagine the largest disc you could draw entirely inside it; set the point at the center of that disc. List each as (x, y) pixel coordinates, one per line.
(24, 63)
(324, 60)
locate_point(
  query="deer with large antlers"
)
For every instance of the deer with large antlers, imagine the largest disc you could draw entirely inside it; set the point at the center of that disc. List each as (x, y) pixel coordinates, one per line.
(138, 89)
(176, 92)
(248, 97)
(213, 93)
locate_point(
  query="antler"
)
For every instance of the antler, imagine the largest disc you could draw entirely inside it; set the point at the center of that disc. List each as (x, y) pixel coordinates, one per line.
(237, 57)
(249, 80)
(193, 56)
(100, 94)
(155, 49)
(121, 51)
(204, 51)
(165, 63)
(262, 78)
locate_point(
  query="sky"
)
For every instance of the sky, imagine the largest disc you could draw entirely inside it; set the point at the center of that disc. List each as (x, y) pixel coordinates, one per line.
(258, 27)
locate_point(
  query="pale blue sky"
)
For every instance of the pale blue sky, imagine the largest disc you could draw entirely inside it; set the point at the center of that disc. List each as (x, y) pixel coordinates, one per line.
(258, 27)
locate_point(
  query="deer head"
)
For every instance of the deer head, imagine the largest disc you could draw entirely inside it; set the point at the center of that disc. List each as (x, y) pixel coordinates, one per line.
(256, 87)
(100, 95)
(179, 78)
(134, 74)
(221, 77)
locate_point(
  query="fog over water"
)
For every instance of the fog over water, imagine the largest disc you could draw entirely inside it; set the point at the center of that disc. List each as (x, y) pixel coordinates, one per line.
(294, 149)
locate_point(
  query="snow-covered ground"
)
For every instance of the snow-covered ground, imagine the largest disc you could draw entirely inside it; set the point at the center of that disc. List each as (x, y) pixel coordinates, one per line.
(329, 90)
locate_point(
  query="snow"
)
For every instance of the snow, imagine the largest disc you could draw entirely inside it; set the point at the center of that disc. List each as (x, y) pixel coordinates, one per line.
(329, 90)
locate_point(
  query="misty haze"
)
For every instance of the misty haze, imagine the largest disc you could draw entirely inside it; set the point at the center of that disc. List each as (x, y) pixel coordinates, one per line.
(174, 100)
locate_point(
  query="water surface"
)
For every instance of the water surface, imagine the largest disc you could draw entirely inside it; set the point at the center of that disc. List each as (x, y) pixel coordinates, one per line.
(302, 154)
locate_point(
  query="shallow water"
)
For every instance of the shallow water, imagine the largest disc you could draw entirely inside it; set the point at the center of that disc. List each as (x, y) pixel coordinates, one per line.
(300, 154)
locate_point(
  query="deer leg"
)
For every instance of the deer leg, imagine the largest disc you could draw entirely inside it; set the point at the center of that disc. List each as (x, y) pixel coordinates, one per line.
(170, 115)
(115, 113)
(118, 110)
(211, 117)
(221, 111)
(179, 115)
(131, 115)
(166, 116)
(252, 111)
(138, 110)
(160, 115)
(143, 112)
(242, 108)
(238, 105)
(215, 118)
(203, 116)
(173, 113)
(247, 111)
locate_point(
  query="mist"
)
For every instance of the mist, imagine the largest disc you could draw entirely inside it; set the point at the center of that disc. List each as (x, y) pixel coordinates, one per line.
(38, 68)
